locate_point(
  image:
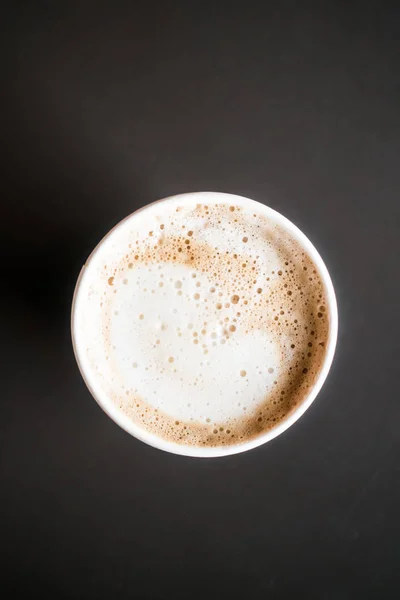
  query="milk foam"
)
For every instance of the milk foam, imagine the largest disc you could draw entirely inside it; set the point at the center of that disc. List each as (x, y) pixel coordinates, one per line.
(205, 324)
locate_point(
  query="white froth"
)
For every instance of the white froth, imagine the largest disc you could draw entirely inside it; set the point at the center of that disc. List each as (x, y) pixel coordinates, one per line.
(204, 379)
(178, 337)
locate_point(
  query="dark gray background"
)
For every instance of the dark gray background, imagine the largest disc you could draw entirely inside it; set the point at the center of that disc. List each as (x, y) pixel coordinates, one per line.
(109, 106)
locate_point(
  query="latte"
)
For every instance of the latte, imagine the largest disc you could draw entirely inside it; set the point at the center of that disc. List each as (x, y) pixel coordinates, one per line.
(204, 321)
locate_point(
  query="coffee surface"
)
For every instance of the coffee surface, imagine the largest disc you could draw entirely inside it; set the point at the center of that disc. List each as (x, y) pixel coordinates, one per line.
(205, 324)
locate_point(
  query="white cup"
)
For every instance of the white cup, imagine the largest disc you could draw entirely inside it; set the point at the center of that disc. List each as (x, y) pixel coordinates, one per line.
(207, 452)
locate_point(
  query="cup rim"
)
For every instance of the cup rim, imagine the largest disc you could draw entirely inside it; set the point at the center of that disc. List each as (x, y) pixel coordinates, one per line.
(212, 452)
